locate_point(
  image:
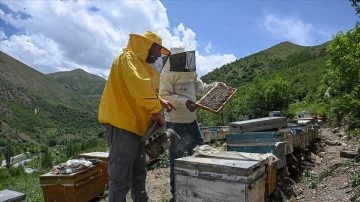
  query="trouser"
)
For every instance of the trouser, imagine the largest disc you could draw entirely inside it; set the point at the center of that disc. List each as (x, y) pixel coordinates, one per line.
(190, 137)
(126, 165)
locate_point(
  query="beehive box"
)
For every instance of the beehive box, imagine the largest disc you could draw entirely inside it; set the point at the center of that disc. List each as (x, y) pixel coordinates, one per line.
(103, 156)
(12, 196)
(218, 179)
(302, 136)
(259, 142)
(81, 186)
(216, 98)
(260, 124)
(269, 159)
(213, 133)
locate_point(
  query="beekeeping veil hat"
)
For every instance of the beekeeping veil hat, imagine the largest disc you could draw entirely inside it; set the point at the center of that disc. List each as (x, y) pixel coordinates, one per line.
(181, 60)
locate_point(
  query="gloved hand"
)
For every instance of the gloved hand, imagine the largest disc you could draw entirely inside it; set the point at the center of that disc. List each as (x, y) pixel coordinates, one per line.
(191, 105)
(167, 105)
(159, 118)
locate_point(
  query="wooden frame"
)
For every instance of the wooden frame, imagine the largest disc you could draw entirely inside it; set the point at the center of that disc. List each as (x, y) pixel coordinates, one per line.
(216, 98)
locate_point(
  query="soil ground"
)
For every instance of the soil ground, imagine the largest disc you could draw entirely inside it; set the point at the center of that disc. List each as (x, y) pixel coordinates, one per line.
(320, 174)
(315, 174)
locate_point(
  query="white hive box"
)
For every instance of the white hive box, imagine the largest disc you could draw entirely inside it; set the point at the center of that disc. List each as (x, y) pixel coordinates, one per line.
(260, 124)
(217, 179)
(12, 196)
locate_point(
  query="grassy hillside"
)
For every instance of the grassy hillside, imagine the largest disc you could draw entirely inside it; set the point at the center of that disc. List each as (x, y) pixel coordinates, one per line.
(301, 66)
(81, 82)
(38, 106)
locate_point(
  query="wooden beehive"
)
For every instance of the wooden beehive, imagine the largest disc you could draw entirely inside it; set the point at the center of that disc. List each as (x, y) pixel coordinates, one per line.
(218, 179)
(260, 124)
(213, 133)
(103, 156)
(81, 186)
(216, 98)
(269, 159)
(12, 196)
(259, 142)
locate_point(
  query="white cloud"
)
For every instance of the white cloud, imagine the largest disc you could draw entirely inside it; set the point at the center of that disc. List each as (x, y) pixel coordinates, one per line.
(289, 28)
(208, 48)
(64, 35)
(206, 64)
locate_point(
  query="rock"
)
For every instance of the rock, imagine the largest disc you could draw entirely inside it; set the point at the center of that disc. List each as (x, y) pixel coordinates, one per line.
(332, 142)
(335, 130)
(315, 159)
(350, 154)
(322, 154)
(292, 199)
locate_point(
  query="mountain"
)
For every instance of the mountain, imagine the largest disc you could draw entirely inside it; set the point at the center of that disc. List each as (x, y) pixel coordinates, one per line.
(38, 107)
(81, 82)
(301, 66)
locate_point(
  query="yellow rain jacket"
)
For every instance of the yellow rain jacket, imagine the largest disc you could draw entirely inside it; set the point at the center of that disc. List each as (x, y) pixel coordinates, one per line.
(130, 95)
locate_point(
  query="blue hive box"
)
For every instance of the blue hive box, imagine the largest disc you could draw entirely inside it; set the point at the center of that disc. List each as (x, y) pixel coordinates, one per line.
(259, 142)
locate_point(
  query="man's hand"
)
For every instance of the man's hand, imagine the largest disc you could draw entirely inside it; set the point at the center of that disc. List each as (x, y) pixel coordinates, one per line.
(159, 118)
(191, 105)
(168, 106)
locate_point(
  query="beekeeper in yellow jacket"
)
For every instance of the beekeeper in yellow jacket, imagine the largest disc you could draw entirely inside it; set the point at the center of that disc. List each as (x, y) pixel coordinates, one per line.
(128, 105)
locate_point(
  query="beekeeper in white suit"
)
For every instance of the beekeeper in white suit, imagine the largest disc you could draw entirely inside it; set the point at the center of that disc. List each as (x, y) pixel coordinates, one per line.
(179, 84)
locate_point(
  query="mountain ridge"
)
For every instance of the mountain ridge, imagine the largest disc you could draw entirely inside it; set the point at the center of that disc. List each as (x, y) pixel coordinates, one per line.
(62, 105)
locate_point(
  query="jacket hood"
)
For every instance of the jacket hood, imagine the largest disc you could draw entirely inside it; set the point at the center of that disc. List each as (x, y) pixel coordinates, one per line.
(141, 45)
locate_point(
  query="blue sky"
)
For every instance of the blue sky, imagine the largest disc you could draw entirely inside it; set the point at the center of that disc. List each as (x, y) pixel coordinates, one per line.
(52, 36)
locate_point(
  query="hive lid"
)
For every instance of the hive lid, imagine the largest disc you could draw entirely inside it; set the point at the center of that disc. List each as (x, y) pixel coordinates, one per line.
(99, 155)
(9, 195)
(221, 165)
(259, 124)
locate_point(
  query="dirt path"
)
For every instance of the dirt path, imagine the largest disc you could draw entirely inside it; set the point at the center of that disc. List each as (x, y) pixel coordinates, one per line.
(158, 181)
(321, 174)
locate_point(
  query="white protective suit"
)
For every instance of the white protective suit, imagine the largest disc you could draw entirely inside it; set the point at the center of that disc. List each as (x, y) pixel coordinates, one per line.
(178, 87)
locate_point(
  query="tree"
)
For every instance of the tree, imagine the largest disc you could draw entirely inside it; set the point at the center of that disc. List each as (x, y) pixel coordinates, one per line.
(271, 95)
(356, 5)
(9, 152)
(46, 160)
(343, 78)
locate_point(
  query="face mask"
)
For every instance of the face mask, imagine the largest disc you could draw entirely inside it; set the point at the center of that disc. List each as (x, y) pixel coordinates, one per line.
(154, 53)
(159, 63)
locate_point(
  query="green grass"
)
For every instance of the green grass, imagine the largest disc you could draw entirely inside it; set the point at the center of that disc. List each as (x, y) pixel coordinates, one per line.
(163, 161)
(17, 179)
(315, 109)
(355, 180)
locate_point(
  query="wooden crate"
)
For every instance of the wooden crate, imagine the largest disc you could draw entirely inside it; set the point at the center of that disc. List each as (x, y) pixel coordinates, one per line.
(81, 186)
(103, 156)
(219, 179)
(260, 124)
